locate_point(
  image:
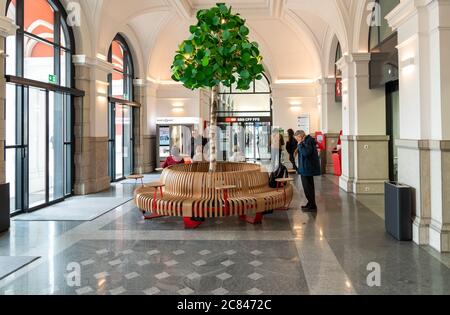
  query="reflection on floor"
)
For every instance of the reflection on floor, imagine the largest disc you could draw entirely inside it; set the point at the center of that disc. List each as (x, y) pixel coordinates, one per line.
(290, 253)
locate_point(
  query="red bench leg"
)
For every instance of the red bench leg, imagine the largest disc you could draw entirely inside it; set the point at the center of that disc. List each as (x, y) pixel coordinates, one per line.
(257, 219)
(151, 216)
(190, 224)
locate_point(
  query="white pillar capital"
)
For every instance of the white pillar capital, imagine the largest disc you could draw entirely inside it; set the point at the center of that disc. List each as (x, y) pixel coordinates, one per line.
(7, 27)
(97, 63)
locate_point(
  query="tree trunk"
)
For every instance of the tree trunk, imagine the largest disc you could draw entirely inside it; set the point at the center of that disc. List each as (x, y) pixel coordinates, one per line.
(213, 129)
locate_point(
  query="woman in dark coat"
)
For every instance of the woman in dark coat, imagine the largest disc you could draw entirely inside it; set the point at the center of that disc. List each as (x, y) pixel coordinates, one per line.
(308, 167)
(291, 148)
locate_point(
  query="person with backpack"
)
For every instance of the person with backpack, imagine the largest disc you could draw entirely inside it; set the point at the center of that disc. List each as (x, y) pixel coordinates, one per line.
(308, 167)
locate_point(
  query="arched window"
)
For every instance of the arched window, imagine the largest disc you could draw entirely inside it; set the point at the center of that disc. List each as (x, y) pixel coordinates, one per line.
(43, 47)
(338, 74)
(121, 80)
(121, 110)
(39, 96)
(380, 30)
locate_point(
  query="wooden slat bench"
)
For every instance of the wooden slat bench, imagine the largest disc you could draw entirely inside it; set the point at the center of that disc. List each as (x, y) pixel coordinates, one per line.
(190, 191)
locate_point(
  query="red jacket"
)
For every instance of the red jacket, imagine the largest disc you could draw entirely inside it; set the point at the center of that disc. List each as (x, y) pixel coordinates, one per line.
(171, 161)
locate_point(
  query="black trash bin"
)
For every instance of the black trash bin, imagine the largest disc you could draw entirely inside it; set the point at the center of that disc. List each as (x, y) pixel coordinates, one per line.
(4, 208)
(398, 210)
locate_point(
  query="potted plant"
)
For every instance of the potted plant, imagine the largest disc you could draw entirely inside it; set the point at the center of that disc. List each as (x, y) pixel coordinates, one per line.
(217, 52)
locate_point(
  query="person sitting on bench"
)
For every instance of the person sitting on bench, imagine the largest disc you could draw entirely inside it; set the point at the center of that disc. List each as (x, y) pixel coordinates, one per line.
(174, 158)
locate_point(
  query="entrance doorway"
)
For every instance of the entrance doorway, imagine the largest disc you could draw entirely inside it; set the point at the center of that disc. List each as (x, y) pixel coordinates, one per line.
(121, 141)
(39, 146)
(393, 126)
(252, 138)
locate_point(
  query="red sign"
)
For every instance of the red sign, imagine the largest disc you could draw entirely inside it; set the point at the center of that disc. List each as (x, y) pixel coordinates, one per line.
(338, 87)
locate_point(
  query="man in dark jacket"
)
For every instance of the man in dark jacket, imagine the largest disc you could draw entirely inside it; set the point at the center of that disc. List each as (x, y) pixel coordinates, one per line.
(308, 167)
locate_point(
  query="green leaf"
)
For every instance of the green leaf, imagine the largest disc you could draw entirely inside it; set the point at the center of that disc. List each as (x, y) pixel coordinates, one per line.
(244, 74)
(223, 8)
(244, 30)
(246, 46)
(192, 29)
(188, 48)
(216, 20)
(226, 35)
(205, 61)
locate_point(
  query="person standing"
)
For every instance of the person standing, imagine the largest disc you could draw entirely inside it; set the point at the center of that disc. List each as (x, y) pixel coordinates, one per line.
(291, 148)
(308, 167)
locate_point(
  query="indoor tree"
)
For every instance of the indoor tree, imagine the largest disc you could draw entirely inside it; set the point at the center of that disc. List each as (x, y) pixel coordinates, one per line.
(217, 52)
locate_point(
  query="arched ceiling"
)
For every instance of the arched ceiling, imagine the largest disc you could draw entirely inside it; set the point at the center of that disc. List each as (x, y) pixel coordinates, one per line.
(292, 33)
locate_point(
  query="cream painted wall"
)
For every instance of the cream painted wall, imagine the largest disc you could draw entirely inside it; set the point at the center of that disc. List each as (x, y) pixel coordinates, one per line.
(177, 101)
(284, 96)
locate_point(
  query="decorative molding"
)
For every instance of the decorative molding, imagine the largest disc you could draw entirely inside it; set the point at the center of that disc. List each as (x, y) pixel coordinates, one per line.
(7, 27)
(404, 11)
(83, 60)
(365, 138)
(424, 145)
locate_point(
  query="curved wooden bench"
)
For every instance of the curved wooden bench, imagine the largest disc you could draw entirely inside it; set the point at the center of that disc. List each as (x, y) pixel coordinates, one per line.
(190, 191)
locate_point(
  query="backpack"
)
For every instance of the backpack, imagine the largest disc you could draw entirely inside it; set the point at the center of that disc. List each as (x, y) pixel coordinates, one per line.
(280, 172)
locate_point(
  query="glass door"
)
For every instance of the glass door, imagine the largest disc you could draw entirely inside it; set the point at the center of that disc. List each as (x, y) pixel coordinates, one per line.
(39, 147)
(121, 141)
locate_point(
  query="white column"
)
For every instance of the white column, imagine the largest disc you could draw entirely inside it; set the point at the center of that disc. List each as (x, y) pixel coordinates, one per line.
(364, 144)
(424, 149)
(331, 119)
(7, 28)
(91, 125)
(149, 156)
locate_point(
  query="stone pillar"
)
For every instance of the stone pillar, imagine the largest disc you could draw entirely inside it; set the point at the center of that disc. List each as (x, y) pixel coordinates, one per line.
(91, 125)
(7, 28)
(331, 119)
(365, 158)
(149, 128)
(139, 125)
(424, 149)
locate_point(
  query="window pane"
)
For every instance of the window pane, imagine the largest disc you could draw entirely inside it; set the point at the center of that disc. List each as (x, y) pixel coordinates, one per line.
(11, 12)
(11, 176)
(37, 145)
(127, 133)
(11, 55)
(11, 108)
(117, 56)
(11, 42)
(56, 144)
(39, 60)
(262, 86)
(66, 68)
(39, 18)
(117, 85)
(119, 141)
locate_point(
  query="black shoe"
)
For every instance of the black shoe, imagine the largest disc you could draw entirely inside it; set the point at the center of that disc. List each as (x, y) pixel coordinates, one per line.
(310, 209)
(305, 207)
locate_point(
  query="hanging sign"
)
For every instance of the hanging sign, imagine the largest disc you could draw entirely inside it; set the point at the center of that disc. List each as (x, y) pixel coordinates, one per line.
(303, 123)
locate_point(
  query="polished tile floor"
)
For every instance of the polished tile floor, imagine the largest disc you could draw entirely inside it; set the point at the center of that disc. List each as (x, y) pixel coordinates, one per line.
(290, 253)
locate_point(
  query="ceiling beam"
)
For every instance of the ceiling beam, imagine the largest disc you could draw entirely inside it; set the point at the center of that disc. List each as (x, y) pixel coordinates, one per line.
(277, 8)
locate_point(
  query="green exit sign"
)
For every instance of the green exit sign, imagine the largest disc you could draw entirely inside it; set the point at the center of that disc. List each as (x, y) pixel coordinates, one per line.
(52, 78)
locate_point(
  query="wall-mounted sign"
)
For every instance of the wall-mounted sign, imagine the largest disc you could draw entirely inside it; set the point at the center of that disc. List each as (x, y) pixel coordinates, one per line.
(52, 78)
(177, 121)
(244, 119)
(303, 123)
